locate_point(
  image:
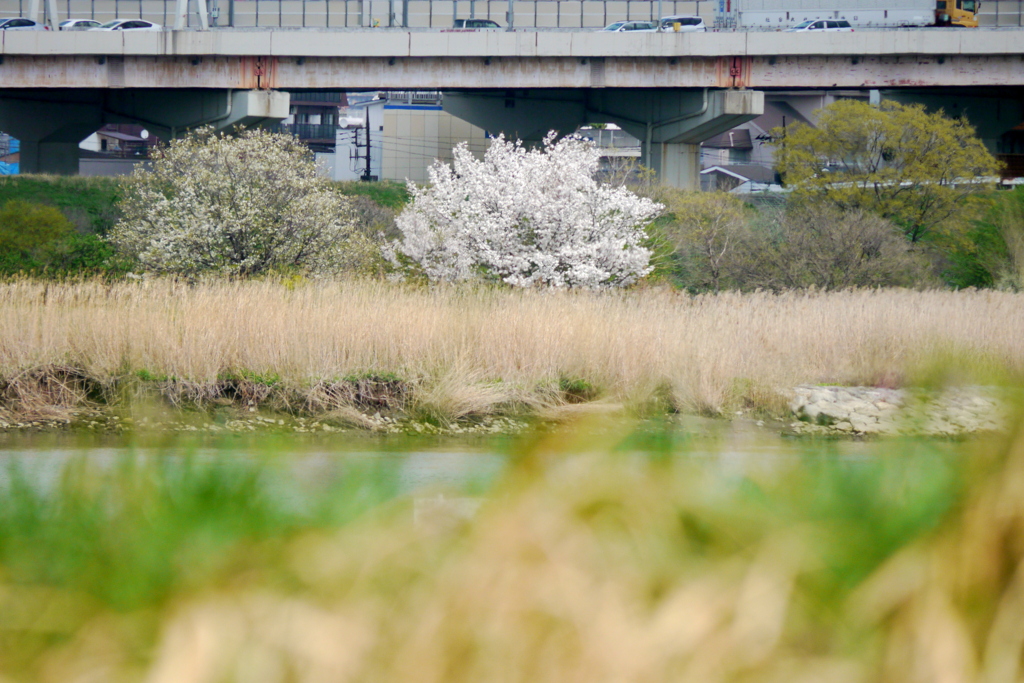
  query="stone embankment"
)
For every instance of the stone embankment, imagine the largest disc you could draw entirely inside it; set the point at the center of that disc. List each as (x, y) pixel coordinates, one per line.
(869, 410)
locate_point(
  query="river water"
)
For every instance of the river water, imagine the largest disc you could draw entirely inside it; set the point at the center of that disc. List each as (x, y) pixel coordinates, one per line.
(423, 465)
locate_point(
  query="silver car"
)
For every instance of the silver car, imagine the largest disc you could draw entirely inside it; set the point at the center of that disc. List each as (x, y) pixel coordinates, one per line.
(821, 25)
(21, 24)
(78, 25)
(623, 26)
(129, 25)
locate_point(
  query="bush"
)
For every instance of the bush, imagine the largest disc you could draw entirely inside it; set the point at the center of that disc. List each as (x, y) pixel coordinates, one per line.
(88, 202)
(525, 217)
(721, 242)
(993, 253)
(29, 234)
(828, 249)
(86, 255)
(239, 204)
(704, 228)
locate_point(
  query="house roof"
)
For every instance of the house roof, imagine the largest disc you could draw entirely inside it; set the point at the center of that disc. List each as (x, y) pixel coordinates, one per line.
(775, 112)
(737, 138)
(120, 136)
(759, 174)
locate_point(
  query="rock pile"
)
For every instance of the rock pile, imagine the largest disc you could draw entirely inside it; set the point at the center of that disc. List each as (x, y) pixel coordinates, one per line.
(869, 410)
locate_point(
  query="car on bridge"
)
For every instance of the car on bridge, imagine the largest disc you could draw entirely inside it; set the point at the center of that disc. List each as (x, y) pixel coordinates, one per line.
(822, 26)
(129, 25)
(21, 24)
(78, 25)
(623, 26)
(686, 23)
(475, 23)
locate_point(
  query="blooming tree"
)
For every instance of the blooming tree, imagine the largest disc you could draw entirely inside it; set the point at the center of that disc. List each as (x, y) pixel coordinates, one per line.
(526, 217)
(236, 204)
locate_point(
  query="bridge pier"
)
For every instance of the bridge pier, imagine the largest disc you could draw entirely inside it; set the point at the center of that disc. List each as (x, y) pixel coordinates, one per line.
(49, 133)
(50, 124)
(670, 124)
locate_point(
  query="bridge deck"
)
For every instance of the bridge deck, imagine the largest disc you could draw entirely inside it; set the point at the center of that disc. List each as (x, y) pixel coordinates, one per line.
(400, 59)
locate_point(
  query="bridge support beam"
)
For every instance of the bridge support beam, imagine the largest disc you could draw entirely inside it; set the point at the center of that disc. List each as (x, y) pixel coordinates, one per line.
(670, 124)
(50, 124)
(993, 114)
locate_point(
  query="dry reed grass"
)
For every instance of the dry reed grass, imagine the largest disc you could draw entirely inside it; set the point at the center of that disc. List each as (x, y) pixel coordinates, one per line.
(466, 351)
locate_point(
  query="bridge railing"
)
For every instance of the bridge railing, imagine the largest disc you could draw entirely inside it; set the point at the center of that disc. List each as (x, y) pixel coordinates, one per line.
(424, 14)
(527, 14)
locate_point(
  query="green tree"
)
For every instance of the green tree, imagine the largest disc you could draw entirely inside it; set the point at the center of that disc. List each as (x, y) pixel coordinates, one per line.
(704, 228)
(923, 171)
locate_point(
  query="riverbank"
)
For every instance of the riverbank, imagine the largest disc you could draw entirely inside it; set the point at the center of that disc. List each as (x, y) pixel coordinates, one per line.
(854, 412)
(349, 351)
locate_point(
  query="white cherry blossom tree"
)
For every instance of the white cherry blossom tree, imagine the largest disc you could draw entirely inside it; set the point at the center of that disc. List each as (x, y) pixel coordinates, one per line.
(526, 217)
(238, 204)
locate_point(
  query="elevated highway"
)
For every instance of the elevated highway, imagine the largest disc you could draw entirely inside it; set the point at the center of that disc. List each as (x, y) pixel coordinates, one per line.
(670, 90)
(405, 59)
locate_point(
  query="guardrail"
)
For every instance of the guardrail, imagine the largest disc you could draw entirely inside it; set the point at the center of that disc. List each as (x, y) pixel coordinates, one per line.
(425, 14)
(526, 14)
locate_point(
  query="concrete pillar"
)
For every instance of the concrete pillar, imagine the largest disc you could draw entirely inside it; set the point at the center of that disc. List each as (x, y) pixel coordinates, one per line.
(677, 164)
(51, 124)
(181, 9)
(49, 132)
(50, 13)
(56, 158)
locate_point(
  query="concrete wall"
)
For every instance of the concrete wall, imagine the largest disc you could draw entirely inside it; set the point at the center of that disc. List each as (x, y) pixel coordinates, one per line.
(107, 167)
(415, 136)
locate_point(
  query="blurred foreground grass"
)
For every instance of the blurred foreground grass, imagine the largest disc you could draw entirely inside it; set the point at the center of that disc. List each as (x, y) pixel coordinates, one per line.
(599, 555)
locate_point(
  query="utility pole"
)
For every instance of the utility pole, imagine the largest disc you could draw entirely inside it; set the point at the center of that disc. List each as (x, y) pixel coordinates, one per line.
(368, 172)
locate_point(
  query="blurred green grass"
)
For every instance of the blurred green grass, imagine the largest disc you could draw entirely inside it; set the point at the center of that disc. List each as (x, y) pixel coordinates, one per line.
(604, 552)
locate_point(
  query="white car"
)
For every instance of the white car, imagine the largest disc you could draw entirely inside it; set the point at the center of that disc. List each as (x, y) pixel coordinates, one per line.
(21, 24)
(78, 25)
(475, 23)
(687, 23)
(821, 25)
(622, 26)
(129, 25)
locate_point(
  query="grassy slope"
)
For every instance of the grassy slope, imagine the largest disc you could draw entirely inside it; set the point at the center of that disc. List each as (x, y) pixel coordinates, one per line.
(90, 203)
(387, 193)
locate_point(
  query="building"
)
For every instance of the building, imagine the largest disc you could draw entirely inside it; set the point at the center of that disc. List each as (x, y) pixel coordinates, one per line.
(742, 160)
(314, 118)
(397, 136)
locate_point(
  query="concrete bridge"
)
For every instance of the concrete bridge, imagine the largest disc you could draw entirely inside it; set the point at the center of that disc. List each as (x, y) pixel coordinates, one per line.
(669, 90)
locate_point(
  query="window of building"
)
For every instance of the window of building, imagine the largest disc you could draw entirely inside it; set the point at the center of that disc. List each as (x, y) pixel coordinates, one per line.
(739, 156)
